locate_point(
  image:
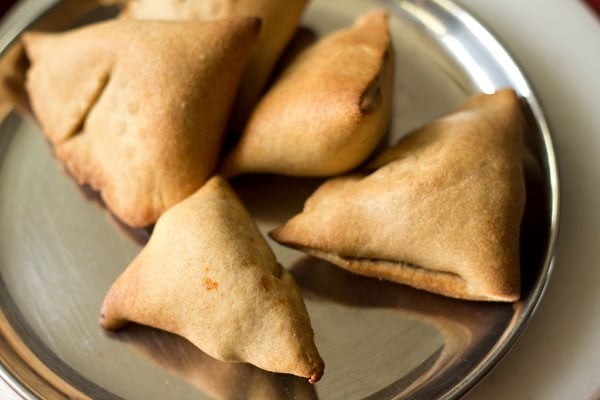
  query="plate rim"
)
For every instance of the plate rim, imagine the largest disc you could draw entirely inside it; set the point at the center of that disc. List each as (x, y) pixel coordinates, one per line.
(527, 92)
(25, 12)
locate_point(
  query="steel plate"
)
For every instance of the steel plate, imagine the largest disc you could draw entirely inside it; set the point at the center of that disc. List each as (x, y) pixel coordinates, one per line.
(60, 250)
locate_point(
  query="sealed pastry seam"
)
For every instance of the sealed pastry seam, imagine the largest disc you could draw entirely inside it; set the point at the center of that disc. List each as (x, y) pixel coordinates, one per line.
(447, 283)
(133, 108)
(372, 97)
(449, 197)
(399, 264)
(93, 101)
(60, 121)
(359, 264)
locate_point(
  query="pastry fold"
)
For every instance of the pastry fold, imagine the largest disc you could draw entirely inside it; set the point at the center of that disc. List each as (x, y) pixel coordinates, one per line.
(279, 18)
(138, 109)
(440, 211)
(208, 275)
(328, 109)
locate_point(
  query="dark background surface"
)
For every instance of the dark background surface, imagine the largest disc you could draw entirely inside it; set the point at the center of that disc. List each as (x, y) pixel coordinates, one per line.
(6, 4)
(595, 4)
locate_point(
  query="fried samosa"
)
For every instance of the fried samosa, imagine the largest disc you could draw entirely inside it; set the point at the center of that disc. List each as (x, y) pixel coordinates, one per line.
(280, 21)
(328, 109)
(208, 275)
(439, 211)
(138, 109)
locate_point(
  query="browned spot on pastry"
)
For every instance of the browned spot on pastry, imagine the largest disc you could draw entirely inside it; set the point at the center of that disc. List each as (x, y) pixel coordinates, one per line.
(214, 216)
(209, 284)
(264, 282)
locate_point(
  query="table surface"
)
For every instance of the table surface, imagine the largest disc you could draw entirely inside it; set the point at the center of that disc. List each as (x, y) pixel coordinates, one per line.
(557, 43)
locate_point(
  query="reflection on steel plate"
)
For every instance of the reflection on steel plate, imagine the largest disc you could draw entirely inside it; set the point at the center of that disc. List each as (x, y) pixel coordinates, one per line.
(60, 250)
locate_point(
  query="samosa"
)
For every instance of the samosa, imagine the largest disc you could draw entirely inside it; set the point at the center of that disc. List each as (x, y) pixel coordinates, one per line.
(280, 20)
(439, 211)
(208, 275)
(138, 109)
(327, 111)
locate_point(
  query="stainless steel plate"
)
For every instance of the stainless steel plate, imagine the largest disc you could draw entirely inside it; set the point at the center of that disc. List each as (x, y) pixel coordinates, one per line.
(60, 250)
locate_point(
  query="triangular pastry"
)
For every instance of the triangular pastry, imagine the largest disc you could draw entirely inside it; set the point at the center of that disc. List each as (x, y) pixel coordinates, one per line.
(280, 21)
(328, 109)
(440, 211)
(137, 109)
(208, 275)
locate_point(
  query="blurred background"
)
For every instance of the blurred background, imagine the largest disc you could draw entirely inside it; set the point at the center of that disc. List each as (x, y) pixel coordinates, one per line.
(6, 4)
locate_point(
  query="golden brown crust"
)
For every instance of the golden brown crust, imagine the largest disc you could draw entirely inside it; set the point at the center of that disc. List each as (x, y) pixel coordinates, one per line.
(208, 275)
(280, 21)
(138, 109)
(440, 211)
(65, 79)
(327, 110)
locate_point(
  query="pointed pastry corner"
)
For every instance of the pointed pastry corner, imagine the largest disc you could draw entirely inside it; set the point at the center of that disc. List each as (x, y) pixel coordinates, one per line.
(510, 296)
(109, 319)
(219, 183)
(509, 99)
(376, 17)
(37, 44)
(32, 42)
(275, 234)
(375, 22)
(116, 300)
(318, 371)
(190, 280)
(30, 38)
(503, 288)
(293, 233)
(309, 364)
(505, 98)
(279, 234)
(500, 284)
(505, 107)
(507, 95)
